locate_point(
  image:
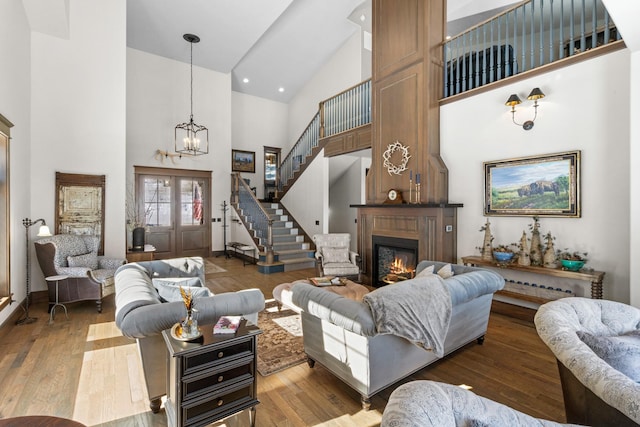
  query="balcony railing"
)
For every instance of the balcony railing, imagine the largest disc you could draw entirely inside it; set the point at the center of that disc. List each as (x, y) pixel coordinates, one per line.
(525, 37)
(342, 112)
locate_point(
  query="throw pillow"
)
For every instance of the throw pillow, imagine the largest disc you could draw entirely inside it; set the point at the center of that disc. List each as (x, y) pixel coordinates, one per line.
(622, 352)
(337, 254)
(426, 272)
(446, 271)
(169, 288)
(89, 260)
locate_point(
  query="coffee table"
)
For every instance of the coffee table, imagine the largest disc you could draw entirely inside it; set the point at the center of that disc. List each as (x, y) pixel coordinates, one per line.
(352, 290)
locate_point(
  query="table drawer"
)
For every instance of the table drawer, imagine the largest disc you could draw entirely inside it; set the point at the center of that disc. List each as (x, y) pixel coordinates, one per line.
(214, 357)
(212, 380)
(228, 401)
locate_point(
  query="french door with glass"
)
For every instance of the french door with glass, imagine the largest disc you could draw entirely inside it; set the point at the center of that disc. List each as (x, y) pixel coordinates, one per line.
(177, 207)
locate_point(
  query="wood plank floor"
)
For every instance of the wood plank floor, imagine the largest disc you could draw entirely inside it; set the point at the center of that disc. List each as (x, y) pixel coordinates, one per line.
(83, 369)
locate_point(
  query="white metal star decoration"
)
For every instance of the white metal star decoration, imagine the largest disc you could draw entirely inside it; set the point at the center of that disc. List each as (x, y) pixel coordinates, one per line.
(391, 149)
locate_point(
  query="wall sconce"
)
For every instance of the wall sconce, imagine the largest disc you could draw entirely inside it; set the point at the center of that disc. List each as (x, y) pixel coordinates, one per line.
(514, 100)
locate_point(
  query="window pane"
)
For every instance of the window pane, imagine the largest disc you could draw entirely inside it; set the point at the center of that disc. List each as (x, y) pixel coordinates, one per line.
(157, 202)
(191, 202)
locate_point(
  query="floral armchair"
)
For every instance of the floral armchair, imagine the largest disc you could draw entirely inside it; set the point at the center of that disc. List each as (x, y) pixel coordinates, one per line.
(76, 256)
(597, 345)
(333, 257)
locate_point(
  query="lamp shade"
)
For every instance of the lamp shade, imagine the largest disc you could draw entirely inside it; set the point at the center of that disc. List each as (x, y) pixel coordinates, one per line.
(513, 100)
(535, 94)
(44, 231)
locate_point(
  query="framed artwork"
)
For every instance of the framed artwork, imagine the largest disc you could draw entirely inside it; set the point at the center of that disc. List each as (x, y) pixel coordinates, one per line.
(243, 161)
(546, 185)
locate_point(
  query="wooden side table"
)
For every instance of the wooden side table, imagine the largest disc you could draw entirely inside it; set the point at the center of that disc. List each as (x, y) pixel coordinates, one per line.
(594, 277)
(213, 377)
(52, 313)
(137, 256)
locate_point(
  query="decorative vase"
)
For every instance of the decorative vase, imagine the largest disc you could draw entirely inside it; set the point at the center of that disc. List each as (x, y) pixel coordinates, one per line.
(549, 258)
(536, 246)
(487, 250)
(138, 239)
(523, 257)
(189, 325)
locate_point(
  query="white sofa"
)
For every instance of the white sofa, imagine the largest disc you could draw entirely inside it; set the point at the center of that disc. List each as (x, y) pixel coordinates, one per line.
(341, 334)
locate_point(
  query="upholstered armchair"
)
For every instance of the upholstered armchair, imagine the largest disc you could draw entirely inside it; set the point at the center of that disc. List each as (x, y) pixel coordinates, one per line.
(435, 404)
(333, 256)
(597, 346)
(76, 256)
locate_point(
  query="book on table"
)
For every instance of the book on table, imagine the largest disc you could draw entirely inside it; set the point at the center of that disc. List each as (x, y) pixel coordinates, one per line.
(227, 325)
(326, 281)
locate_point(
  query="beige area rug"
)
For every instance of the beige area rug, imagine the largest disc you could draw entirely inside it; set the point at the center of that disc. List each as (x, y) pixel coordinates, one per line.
(280, 344)
(211, 268)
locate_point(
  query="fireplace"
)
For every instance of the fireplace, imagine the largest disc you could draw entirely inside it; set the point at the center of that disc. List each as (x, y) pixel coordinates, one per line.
(394, 259)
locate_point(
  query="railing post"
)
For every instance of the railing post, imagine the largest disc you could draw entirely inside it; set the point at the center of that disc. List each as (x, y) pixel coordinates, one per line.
(270, 255)
(321, 110)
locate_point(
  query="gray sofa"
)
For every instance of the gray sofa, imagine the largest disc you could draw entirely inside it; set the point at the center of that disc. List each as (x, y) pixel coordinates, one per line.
(434, 404)
(142, 314)
(342, 335)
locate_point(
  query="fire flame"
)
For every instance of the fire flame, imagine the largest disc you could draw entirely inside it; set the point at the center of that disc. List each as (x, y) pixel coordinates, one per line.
(398, 267)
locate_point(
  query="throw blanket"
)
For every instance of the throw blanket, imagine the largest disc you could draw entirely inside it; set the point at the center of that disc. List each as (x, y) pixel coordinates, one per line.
(418, 310)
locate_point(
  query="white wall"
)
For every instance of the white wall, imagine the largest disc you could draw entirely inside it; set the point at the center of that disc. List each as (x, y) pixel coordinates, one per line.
(586, 108)
(308, 199)
(634, 193)
(257, 122)
(78, 106)
(158, 99)
(348, 189)
(341, 72)
(15, 105)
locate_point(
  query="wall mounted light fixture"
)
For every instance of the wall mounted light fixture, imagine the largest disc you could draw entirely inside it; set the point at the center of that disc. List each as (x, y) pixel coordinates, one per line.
(187, 140)
(514, 100)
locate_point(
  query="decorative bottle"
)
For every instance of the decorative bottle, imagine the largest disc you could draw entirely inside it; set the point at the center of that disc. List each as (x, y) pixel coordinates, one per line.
(523, 256)
(487, 250)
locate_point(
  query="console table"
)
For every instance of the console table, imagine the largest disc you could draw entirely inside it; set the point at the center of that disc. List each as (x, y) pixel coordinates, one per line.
(594, 277)
(236, 248)
(212, 377)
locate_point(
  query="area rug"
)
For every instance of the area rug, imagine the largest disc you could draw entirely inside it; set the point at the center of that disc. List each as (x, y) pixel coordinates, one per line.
(280, 344)
(211, 268)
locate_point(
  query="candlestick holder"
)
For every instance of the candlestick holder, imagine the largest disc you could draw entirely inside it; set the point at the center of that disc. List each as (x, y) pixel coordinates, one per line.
(410, 191)
(418, 193)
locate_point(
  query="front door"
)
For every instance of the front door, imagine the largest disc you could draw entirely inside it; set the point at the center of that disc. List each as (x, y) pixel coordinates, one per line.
(177, 206)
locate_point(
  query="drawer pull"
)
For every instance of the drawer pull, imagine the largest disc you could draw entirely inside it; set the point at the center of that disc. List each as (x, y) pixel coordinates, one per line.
(220, 355)
(220, 402)
(220, 378)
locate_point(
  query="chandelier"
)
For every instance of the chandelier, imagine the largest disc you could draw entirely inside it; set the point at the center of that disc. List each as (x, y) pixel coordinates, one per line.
(190, 138)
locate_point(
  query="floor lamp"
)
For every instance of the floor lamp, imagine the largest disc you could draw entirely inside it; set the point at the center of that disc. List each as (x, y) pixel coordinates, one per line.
(42, 232)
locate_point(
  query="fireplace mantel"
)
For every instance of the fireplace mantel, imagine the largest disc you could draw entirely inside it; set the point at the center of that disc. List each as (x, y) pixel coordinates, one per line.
(433, 225)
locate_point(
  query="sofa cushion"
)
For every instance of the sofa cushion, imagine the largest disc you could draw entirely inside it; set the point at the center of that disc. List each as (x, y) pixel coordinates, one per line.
(169, 288)
(622, 352)
(89, 260)
(426, 272)
(446, 271)
(335, 254)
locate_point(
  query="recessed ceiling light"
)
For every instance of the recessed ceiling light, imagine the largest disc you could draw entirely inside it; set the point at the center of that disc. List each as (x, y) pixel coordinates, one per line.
(245, 80)
(448, 38)
(281, 89)
(362, 17)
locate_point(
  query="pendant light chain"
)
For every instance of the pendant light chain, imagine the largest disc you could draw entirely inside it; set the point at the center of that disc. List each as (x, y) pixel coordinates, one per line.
(191, 44)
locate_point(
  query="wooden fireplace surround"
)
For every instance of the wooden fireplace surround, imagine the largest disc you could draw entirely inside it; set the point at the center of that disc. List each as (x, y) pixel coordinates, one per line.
(432, 225)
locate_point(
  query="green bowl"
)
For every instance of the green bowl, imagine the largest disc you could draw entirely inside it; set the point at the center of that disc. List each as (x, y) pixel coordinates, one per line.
(572, 265)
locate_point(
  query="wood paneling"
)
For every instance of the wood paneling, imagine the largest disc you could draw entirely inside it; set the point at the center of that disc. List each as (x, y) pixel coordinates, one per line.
(349, 141)
(428, 225)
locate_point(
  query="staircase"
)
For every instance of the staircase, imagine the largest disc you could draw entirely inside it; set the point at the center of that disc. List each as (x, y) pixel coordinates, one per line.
(289, 246)
(273, 228)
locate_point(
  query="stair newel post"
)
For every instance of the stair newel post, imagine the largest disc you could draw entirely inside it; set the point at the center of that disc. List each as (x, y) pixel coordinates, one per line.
(270, 255)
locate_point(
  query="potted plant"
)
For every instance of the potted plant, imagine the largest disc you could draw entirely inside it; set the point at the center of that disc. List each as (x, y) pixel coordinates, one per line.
(572, 260)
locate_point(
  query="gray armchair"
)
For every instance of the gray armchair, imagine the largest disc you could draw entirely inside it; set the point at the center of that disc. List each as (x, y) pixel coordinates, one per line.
(582, 333)
(333, 256)
(76, 256)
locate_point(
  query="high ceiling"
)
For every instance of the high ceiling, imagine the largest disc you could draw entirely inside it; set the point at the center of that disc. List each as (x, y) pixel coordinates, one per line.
(274, 44)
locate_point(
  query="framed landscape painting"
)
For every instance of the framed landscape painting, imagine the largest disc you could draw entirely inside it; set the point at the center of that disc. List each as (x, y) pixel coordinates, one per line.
(546, 185)
(243, 161)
